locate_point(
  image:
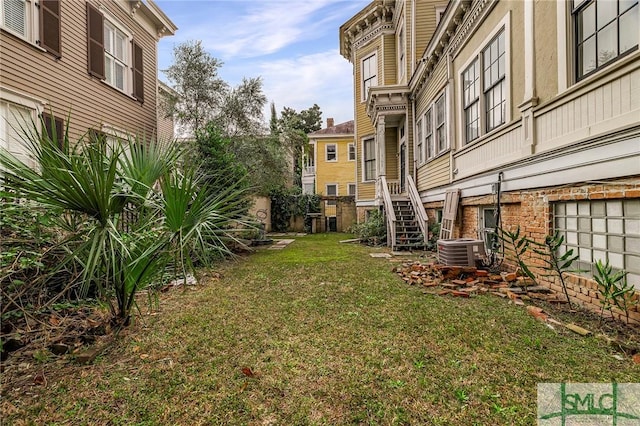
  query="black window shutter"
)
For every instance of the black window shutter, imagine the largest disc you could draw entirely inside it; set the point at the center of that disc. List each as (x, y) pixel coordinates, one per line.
(50, 28)
(138, 73)
(95, 38)
(53, 128)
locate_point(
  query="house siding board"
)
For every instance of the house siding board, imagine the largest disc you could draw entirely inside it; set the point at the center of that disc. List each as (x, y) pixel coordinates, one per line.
(437, 82)
(546, 55)
(389, 66)
(366, 191)
(341, 172)
(434, 174)
(584, 115)
(105, 105)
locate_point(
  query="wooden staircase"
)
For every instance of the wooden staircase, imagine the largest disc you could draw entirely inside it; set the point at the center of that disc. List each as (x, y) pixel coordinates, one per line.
(408, 235)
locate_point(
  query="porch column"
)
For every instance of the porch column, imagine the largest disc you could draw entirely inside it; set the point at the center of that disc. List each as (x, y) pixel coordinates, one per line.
(381, 164)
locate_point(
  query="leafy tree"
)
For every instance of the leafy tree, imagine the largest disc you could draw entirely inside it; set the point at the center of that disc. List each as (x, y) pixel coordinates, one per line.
(194, 74)
(220, 165)
(293, 128)
(241, 109)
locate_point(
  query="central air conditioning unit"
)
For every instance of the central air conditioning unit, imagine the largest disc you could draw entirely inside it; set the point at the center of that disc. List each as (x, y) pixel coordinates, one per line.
(460, 251)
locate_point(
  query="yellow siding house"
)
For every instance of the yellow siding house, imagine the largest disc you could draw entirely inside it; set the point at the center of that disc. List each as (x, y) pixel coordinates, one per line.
(330, 166)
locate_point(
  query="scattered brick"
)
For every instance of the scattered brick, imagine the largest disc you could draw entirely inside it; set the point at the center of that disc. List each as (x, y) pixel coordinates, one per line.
(577, 329)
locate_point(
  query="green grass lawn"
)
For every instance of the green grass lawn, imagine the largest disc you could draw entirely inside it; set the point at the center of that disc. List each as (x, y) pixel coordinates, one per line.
(331, 337)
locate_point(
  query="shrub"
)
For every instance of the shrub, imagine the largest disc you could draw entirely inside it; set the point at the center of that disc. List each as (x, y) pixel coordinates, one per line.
(373, 231)
(136, 209)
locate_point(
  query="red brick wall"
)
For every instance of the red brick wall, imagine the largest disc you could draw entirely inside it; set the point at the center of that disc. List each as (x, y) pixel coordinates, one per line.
(532, 211)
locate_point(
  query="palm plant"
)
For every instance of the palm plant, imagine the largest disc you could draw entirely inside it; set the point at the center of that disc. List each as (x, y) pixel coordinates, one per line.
(96, 180)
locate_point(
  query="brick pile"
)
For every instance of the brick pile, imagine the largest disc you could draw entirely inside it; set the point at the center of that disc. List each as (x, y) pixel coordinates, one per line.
(462, 281)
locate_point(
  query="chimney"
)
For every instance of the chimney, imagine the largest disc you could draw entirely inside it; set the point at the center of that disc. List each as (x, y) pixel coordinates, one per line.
(329, 122)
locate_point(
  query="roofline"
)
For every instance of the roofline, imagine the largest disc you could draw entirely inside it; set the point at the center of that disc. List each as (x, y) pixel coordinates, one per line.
(337, 135)
(165, 26)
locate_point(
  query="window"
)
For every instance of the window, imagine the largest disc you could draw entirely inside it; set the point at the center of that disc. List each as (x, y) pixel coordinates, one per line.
(13, 118)
(33, 22)
(331, 153)
(428, 132)
(332, 190)
(351, 189)
(471, 103)
(493, 59)
(491, 83)
(352, 152)
(308, 188)
(369, 74)
(113, 56)
(488, 226)
(369, 151)
(419, 146)
(441, 131)
(601, 230)
(435, 128)
(401, 53)
(605, 30)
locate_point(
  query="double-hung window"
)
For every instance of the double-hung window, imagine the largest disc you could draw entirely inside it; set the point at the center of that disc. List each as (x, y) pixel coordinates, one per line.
(419, 145)
(113, 55)
(352, 151)
(17, 114)
(35, 22)
(351, 189)
(604, 30)
(493, 58)
(441, 131)
(401, 53)
(331, 152)
(435, 128)
(428, 132)
(471, 94)
(116, 56)
(484, 90)
(332, 190)
(369, 151)
(369, 74)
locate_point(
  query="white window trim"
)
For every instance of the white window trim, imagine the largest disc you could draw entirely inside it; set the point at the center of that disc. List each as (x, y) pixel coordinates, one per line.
(128, 72)
(363, 94)
(355, 189)
(34, 105)
(326, 152)
(363, 163)
(326, 189)
(350, 146)
(505, 23)
(419, 145)
(32, 29)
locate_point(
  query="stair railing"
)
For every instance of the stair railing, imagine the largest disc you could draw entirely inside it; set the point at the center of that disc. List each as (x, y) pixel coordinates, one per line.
(418, 208)
(383, 190)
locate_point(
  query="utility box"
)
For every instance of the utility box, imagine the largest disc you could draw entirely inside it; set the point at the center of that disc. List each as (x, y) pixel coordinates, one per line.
(460, 251)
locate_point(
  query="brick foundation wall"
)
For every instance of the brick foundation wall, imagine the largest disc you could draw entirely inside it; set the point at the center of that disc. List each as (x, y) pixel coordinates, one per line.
(532, 211)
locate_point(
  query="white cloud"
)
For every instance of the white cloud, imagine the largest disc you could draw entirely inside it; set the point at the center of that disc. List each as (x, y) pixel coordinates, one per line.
(266, 27)
(322, 78)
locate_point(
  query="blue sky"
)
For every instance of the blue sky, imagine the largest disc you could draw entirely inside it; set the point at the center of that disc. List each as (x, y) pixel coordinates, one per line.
(292, 44)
